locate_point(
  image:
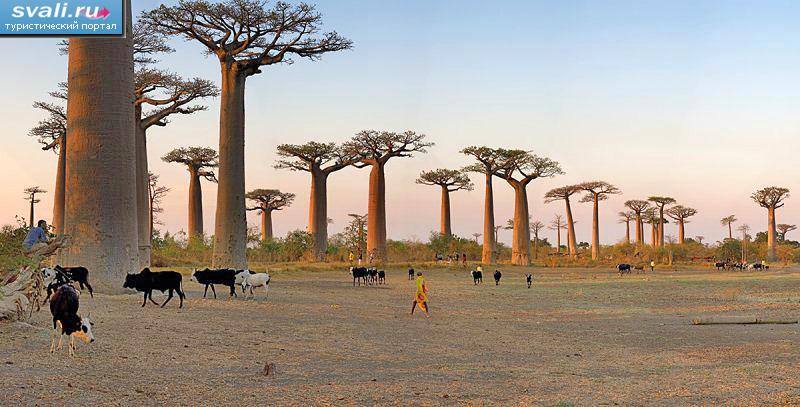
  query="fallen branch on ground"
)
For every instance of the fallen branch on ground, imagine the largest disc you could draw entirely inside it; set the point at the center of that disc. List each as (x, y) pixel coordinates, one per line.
(740, 321)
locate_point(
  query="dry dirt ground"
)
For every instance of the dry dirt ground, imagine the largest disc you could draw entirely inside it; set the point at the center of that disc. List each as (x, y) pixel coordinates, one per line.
(578, 337)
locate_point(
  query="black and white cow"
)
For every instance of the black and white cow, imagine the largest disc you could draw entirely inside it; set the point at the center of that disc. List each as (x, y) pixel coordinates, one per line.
(56, 276)
(381, 276)
(410, 273)
(64, 307)
(477, 277)
(624, 268)
(147, 281)
(529, 279)
(209, 277)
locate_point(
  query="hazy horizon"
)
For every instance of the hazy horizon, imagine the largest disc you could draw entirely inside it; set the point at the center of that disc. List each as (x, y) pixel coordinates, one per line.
(696, 102)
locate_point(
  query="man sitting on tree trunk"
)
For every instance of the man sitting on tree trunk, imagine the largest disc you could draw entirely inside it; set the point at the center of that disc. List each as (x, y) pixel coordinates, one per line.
(37, 244)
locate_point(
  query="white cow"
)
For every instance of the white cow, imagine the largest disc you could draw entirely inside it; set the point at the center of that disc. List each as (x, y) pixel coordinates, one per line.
(253, 280)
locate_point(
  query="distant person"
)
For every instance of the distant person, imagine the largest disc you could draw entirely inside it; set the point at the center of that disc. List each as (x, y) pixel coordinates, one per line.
(360, 257)
(36, 243)
(464, 259)
(652, 265)
(421, 296)
(351, 257)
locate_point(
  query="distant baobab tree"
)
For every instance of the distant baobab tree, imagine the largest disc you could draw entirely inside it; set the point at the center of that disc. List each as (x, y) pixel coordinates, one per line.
(245, 36)
(597, 191)
(660, 202)
(448, 181)
(52, 134)
(156, 195)
(487, 165)
(519, 168)
(784, 229)
(30, 196)
(360, 223)
(744, 228)
(700, 239)
(268, 201)
(563, 194)
(729, 221)
(374, 149)
(476, 236)
(680, 213)
(198, 161)
(100, 213)
(320, 160)
(639, 208)
(626, 217)
(772, 199)
(536, 227)
(651, 217)
(557, 224)
(159, 95)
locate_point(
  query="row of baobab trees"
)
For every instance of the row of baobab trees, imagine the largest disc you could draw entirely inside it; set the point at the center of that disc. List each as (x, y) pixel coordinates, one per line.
(115, 92)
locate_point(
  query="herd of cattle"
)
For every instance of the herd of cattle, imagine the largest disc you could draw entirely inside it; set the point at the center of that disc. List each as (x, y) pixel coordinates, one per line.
(625, 268)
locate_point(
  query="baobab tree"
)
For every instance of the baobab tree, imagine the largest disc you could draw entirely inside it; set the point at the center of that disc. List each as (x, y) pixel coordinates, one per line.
(359, 222)
(476, 236)
(320, 160)
(100, 208)
(728, 221)
(651, 218)
(563, 194)
(374, 149)
(245, 36)
(198, 161)
(639, 208)
(770, 198)
(557, 224)
(680, 213)
(536, 227)
(30, 196)
(487, 165)
(597, 191)
(156, 194)
(784, 229)
(519, 168)
(700, 239)
(448, 181)
(626, 217)
(159, 95)
(51, 132)
(268, 201)
(744, 228)
(660, 202)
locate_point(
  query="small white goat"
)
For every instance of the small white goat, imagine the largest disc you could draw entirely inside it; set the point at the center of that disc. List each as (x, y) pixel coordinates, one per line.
(253, 281)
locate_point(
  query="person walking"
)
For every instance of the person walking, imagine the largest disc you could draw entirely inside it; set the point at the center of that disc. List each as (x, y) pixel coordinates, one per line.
(421, 296)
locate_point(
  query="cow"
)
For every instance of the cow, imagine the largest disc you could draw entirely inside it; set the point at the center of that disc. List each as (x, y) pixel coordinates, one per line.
(639, 268)
(54, 277)
(381, 276)
(477, 277)
(529, 279)
(624, 268)
(410, 273)
(372, 275)
(720, 265)
(64, 307)
(254, 280)
(147, 281)
(208, 277)
(497, 276)
(359, 274)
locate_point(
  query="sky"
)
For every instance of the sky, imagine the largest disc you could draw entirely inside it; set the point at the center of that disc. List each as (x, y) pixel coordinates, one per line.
(696, 100)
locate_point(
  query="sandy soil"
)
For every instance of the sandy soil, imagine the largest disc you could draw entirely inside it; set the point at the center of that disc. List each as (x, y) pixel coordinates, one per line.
(579, 337)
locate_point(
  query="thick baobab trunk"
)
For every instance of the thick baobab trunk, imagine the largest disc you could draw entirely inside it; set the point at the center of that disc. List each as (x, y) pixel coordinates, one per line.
(230, 225)
(628, 231)
(681, 236)
(489, 232)
(376, 218)
(661, 227)
(446, 229)
(654, 234)
(142, 191)
(595, 231)
(100, 212)
(32, 222)
(558, 240)
(266, 225)
(771, 233)
(195, 225)
(573, 247)
(535, 246)
(730, 231)
(639, 230)
(521, 245)
(58, 198)
(318, 213)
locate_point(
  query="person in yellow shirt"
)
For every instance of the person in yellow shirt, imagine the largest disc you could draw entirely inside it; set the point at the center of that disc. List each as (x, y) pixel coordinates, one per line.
(421, 296)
